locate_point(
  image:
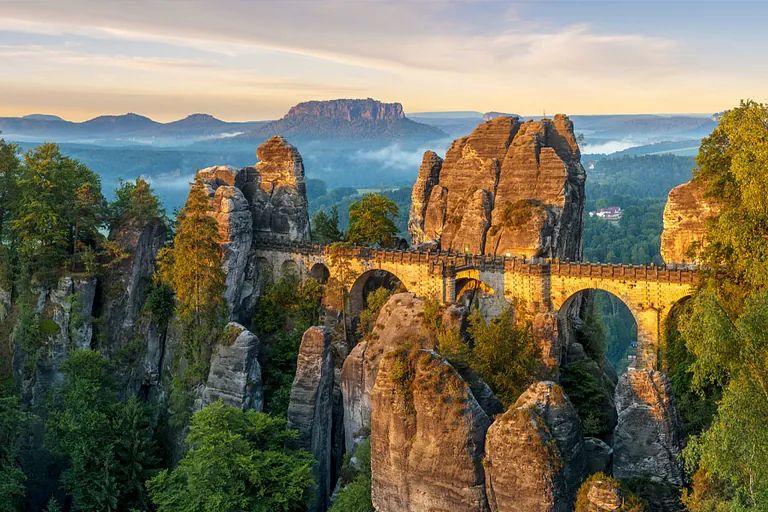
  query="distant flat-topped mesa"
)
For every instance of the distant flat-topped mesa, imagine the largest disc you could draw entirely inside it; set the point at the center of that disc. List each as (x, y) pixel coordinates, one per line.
(685, 221)
(508, 188)
(346, 118)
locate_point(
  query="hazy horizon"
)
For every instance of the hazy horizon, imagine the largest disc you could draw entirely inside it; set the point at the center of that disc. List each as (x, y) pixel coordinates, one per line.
(245, 61)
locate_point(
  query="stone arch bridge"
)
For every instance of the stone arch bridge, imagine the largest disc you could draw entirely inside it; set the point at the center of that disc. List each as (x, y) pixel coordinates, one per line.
(545, 287)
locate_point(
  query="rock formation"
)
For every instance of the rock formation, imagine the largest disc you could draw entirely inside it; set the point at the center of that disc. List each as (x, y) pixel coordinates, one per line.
(311, 407)
(346, 119)
(599, 456)
(507, 188)
(429, 174)
(235, 374)
(268, 200)
(232, 213)
(427, 437)
(601, 493)
(535, 453)
(64, 313)
(685, 221)
(649, 435)
(399, 321)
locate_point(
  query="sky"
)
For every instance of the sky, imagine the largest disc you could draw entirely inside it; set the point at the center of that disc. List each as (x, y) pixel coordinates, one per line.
(252, 60)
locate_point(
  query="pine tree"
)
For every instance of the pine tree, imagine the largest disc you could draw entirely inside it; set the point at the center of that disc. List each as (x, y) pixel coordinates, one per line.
(193, 269)
(371, 220)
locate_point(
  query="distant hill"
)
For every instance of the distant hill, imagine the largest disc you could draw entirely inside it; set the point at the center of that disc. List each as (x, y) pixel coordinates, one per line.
(346, 119)
(111, 127)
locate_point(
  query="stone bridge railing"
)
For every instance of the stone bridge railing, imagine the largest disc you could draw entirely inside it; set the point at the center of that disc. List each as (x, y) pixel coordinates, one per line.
(460, 261)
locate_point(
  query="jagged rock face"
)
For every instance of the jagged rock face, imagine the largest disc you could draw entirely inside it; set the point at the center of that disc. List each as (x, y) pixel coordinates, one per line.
(69, 309)
(233, 215)
(5, 304)
(124, 287)
(685, 220)
(429, 175)
(277, 193)
(649, 435)
(310, 410)
(508, 188)
(235, 374)
(427, 437)
(400, 320)
(535, 453)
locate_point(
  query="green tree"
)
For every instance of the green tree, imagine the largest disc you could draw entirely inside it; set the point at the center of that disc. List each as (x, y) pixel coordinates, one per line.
(137, 201)
(12, 477)
(9, 170)
(60, 209)
(374, 302)
(724, 325)
(325, 227)
(107, 443)
(237, 461)
(193, 269)
(504, 353)
(371, 220)
(355, 493)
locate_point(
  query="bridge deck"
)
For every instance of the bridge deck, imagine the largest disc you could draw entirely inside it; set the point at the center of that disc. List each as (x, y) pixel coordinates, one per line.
(461, 261)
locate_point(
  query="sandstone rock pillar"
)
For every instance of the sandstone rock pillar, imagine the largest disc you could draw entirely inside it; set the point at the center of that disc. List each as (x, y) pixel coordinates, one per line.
(310, 410)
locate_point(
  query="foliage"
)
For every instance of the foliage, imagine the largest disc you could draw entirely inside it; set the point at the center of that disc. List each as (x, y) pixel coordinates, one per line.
(375, 301)
(630, 501)
(285, 310)
(355, 493)
(159, 303)
(635, 239)
(12, 477)
(325, 226)
(504, 353)
(57, 211)
(592, 333)
(286, 302)
(192, 267)
(638, 176)
(107, 443)
(237, 460)
(724, 325)
(588, 397)
(371, 221)
(136, 201)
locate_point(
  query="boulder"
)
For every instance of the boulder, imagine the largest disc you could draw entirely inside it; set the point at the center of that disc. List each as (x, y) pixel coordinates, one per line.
(507, 188)
(601, 494)
(685, 221)
(535, 453)
(235, 374)
(599, 456)
(427, 436)
(310, 410)
(649, 435)
(401, 319)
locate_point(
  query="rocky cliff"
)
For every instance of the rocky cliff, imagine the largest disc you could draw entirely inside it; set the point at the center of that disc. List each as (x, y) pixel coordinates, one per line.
(401, 320)
(685, 221)
(649, 435)
(427, 436)
(507, 188)
(535, 453)
(347, 119)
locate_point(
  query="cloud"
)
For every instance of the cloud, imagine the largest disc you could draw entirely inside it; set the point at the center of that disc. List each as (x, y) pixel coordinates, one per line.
(395, 156)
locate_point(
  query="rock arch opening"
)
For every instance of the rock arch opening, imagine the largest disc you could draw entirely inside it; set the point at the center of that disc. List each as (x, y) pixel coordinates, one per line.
(290, 268)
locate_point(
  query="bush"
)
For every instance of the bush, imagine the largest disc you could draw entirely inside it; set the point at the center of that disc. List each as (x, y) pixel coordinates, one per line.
(630, 502)
(375, 301)
(587, 396)
(355, 495)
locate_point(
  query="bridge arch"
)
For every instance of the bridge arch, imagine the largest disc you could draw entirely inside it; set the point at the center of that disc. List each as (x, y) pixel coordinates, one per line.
(623, 343)
(289, 267)
(368, 282)
(320, 273)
